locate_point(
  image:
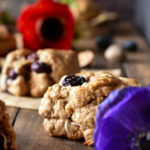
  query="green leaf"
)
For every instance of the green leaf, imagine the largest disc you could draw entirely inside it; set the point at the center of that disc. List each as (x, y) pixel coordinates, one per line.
(140, 84)
(71, 3)
(5, 18)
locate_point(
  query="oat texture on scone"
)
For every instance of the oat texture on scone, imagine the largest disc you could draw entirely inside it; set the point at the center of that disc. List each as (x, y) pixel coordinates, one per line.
(27, 73)
(69, 107)
(7, 133)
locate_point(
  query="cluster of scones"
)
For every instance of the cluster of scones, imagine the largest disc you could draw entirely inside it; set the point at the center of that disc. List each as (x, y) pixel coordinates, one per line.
(70, 100)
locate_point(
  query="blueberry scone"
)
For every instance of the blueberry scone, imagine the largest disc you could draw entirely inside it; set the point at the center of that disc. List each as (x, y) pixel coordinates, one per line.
(28, 73)
(69, 107)
(7, 134)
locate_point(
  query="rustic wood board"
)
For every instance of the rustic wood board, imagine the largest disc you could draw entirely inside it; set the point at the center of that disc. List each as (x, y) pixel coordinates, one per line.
(31, 135)
(12, 111)
(139, 71)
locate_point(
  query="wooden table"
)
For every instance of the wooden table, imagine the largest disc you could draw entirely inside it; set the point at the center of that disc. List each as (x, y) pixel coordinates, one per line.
(28, 124)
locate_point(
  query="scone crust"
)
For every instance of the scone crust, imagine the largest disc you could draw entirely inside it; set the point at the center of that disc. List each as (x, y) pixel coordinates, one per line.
(6, 130)
(78, 105)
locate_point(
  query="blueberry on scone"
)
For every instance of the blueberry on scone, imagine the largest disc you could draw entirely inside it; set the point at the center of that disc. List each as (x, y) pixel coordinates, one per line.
(73, 80)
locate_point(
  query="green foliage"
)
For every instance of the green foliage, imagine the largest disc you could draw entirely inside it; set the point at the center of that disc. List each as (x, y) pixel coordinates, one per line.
(67, 1)
(77, 34)
(5, 18)
(72, 3)
(140, 84)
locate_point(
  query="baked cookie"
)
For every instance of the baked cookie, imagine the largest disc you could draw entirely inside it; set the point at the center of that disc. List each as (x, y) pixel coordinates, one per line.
(28, 73)
(69, 107)
(7, 134)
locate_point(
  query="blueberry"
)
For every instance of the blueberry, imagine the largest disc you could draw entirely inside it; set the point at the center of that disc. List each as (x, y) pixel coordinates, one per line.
(33, 56)
(73, 80)
(130, 45)
(40, 67)
(103, 41)
(12, 74)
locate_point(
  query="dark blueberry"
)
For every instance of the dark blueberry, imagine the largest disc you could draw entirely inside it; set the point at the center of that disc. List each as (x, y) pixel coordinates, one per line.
(103, 41)
(40, 67)
(130, 45)
(12, 74)
(73, 80)
(33, 56)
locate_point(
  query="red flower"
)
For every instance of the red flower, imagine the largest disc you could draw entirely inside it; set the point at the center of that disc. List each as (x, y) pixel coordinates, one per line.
(46, 24)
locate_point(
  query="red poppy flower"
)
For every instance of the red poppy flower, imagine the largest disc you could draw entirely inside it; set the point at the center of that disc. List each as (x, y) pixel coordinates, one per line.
(46, 24)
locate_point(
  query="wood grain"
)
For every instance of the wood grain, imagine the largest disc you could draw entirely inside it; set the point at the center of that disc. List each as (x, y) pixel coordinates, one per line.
(139, 71)
(31, 135)
(12, 111)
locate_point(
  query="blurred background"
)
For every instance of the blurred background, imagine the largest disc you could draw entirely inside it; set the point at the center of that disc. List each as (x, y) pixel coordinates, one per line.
(124, 8)
(128, 10)
(92, 17)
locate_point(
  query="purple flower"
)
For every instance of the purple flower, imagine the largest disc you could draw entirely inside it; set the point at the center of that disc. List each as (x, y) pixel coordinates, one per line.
(123, 120)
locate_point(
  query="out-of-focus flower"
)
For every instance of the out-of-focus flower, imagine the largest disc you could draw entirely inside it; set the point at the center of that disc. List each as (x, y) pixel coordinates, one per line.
(46, 24)
(123, 120)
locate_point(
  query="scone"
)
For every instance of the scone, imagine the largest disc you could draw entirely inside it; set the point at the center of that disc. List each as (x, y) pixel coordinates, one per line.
(28, 73)
(69, 107)
(7, 134)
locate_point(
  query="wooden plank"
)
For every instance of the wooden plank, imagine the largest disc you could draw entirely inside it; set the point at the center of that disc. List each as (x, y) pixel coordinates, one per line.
(31, 135)
(12, 111)
(139, 71)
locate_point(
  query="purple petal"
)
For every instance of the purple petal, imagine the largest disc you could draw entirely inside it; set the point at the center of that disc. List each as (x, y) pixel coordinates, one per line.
(115, 145)
(111, 129)
(119, 115)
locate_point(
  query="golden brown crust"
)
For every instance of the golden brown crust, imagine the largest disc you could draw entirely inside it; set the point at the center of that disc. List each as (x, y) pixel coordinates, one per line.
(78, 104)
(35, 84)
(62, 62)
(7, 133)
